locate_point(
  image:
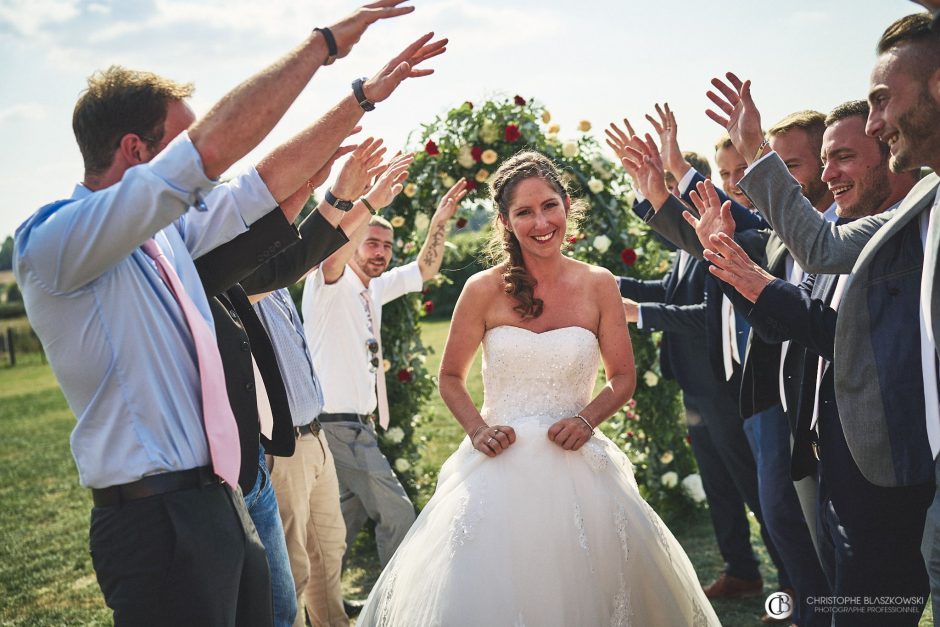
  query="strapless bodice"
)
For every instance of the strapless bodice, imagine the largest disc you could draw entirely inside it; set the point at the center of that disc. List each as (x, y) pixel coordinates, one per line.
(547, 376)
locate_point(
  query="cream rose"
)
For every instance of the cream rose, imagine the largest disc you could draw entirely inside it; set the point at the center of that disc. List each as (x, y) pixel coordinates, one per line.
(482, 175)
(546, 117)
(595, 185)
(403, 465)
(693, 487)
(553, 129)
(669, 479)
(489, 132)
(650, 378)
(410, 190)
(397, 221)
(395, 435)
(465, 157)
(584, 126)
(666, 457)
(570, 149)
(489, 156)
(601, 244)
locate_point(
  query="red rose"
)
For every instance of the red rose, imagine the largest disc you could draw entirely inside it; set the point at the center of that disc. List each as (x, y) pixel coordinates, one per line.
(519, 100)
(404, 376)
(628, 256)
(471, 185)
(629, 434)
(477, 153)
(426, 291)
(461, 222)
(512, 133)
(688, 439)
(428, 307)
(572, 239)
(468, 104)
(431, 148)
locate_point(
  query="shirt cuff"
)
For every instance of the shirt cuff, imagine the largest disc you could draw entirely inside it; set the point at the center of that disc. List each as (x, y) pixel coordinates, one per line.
(413, 279)
(639, 317)
(639, 198)
(180, 167)
(686, 180)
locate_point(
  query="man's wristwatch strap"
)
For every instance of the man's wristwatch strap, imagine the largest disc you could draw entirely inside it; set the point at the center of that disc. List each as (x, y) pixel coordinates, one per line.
(342, 205)
(330, 44)
(360, 94)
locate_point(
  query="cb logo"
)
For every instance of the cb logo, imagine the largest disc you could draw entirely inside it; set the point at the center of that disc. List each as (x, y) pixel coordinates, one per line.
(779, 605)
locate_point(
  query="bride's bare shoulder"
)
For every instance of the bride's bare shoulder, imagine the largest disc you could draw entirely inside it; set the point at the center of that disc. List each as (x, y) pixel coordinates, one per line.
(597, 275)
(484, 282)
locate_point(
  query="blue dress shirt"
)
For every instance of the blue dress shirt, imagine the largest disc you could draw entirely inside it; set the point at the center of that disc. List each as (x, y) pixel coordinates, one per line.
(113, 332)
(282, 322)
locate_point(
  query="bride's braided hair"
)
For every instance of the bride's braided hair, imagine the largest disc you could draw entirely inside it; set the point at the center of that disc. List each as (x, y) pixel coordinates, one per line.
(503, 247)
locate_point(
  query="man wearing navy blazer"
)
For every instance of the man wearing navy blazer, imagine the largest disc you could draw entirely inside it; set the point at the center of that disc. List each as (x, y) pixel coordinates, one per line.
(677, 305)
(886, 393)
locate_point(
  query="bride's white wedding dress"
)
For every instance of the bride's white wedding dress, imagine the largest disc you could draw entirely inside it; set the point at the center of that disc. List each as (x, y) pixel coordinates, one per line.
(538, 536)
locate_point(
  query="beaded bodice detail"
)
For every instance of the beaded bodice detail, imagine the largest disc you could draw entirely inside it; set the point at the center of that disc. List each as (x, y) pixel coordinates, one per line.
(537, 376)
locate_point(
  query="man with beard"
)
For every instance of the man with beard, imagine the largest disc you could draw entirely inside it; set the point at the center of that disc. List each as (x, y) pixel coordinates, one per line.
(342, 309)
(890, 414)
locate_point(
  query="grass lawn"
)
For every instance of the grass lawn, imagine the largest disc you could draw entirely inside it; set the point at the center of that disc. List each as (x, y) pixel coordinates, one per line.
(46, 577)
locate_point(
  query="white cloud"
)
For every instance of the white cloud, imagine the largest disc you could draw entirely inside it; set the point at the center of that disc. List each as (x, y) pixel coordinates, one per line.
(24, 111)
(30, 17)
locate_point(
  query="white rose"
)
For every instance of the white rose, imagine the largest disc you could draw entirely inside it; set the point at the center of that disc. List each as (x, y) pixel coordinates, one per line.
(666, 457)
(447, 180)
(596, 186)
(489, 156)
(489, 132)
(693, 487)
(570, 150)
(395, 435)
(403, 465)
(650, 379)
(601, 244)
(464, 157)
(669, 479)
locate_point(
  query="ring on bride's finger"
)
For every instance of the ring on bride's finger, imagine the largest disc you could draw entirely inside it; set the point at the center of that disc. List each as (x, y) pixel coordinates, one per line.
(491, 440)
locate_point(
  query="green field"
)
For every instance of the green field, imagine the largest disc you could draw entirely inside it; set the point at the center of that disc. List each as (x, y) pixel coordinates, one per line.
(46, 577)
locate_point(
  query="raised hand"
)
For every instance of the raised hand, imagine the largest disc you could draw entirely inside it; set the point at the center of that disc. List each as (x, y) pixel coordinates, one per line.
(294, 204)
(732, 265)
(668, 130)
(447, 207)
(347, 31)
(380, 86)
(714, 217)
(741, 117)
(359, 170)
(641, 160)
(491, 441)
(391, 181)
(570, 433)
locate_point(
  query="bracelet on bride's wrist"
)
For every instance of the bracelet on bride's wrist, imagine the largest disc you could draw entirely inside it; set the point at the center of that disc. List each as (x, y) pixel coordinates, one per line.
(585, 421)
(478, 429)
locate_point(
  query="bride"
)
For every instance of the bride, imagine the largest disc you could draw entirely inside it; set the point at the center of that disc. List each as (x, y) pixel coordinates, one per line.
(537, 520)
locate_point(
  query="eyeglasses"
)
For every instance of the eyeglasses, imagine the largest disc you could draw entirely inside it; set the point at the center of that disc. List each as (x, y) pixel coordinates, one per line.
(373, 345)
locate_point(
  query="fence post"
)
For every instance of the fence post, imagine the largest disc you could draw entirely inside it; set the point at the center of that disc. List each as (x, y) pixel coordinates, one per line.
(10, 346)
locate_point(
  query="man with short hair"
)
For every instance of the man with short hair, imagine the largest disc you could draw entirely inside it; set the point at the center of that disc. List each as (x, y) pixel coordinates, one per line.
(342, 307)
(110, 288)
(891, 420)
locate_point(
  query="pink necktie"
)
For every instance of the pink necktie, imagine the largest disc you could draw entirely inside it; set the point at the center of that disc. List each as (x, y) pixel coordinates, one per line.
(219, 423)
(381, 394)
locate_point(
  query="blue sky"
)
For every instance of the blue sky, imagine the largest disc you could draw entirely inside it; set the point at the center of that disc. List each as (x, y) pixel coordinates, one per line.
(594, 60)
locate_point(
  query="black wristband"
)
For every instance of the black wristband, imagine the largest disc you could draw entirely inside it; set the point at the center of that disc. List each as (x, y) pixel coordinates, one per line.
(360, 94)
(342, 205)
(330, 44)
(368, 205)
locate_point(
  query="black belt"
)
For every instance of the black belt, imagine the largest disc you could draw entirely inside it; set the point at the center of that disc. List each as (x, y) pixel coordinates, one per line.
(152, 485)
(343, 418)
(312, 427)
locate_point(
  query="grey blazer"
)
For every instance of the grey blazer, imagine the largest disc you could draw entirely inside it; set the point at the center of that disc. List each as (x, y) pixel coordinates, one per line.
(879, 390)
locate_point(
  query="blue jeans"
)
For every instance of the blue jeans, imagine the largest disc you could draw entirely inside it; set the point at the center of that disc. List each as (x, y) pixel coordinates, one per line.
(262, 506)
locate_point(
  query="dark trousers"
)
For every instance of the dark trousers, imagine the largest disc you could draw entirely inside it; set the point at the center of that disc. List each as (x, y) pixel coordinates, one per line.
(930, 547)
(729, 477)
(876, 534)
(190, 557)
(783, 516)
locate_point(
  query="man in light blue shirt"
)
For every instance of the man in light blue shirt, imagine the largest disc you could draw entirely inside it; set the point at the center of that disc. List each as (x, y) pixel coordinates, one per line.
(120, 346)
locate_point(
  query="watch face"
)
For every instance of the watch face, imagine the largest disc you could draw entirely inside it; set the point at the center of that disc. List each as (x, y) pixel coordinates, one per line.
(343, 205)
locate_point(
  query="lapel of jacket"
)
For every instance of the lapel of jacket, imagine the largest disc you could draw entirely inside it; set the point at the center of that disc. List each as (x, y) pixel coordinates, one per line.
(776, 256)
(932, 274)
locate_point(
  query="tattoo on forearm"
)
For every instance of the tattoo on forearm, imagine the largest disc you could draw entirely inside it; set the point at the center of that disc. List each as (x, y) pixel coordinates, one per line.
(436, 241)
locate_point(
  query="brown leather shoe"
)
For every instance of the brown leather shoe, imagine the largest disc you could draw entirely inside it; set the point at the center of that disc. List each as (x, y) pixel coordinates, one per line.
(728, 587)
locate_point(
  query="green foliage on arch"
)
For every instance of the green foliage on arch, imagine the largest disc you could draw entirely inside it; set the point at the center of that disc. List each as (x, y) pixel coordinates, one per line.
(471, 141)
